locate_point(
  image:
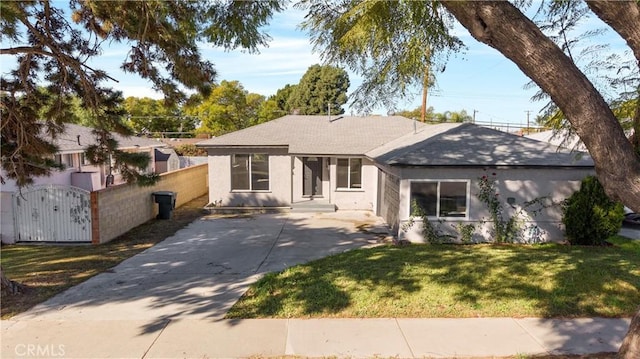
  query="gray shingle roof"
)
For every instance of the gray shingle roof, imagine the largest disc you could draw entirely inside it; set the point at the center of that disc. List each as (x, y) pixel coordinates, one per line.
(472, 145)
(68, 141)
(342, 135)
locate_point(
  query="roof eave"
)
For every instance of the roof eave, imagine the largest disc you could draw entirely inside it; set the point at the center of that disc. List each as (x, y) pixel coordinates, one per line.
(498, 166)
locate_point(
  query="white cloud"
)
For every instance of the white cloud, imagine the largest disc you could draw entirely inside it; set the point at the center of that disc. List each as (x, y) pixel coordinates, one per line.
(139, 91)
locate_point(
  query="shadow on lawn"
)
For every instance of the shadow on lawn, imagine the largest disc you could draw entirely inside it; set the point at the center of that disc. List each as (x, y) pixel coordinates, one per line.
(560, 280)
(556, 281)
(204, 269)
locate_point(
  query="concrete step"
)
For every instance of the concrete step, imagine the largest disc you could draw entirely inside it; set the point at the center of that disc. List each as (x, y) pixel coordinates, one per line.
(313, 207)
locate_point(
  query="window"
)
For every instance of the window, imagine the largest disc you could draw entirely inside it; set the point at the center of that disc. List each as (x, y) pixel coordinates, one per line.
(84, 160)
(66, 160)
(250, 172)
(441, 198)
(349, 173)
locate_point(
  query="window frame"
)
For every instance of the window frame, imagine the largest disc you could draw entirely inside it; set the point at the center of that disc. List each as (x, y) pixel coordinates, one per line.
(348, 170)
(84, 160)
(250, 178)
(66, 159)
(438, 199)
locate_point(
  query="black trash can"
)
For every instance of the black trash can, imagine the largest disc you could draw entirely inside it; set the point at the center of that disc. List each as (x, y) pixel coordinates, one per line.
(166, 201)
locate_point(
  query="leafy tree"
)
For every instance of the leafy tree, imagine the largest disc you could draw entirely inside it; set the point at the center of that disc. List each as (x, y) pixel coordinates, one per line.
(52, 48)
(417, 113)
(282, 98)
(277, 105)
(254, 105)
(319, 88)
(146, 115)
(370, 37)
(452, 116)
(338, 30)
(189, 149)
(431, 116)
(269, 110)
(228, 108)
(394, 45)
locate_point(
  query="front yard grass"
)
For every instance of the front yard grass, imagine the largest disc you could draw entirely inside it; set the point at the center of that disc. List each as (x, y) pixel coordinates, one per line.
(47, 270)
(429, 281)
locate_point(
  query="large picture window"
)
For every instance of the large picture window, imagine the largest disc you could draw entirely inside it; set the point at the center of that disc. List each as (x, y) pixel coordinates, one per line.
(349, 173)
(250, 172)
(446, 198)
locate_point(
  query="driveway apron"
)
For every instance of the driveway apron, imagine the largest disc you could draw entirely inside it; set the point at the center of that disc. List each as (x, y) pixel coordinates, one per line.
(203, 269)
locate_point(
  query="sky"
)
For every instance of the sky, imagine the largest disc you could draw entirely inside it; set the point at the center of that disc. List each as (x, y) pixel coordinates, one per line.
(479, 80)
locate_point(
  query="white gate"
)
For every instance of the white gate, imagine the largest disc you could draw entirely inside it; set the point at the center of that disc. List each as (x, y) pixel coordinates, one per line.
(53, 213)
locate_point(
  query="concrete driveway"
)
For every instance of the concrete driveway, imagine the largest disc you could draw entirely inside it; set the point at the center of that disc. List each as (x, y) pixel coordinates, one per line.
(630, 231)
(204, 268)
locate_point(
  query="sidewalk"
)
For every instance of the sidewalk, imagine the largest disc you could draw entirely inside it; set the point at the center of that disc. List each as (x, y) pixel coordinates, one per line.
(353, 338)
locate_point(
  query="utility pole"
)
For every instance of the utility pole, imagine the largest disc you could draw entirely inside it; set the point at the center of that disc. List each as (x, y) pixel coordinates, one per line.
(528, 128)
(425, 86)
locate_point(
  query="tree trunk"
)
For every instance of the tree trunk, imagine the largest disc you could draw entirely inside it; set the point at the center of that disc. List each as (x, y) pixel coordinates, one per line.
(8, 286)
(623, 17)
(630, 348)
(503, 27)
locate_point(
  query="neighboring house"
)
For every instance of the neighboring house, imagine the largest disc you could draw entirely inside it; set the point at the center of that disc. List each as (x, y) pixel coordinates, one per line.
(382, 164)
(560, 139)
(78, 171)
(185, 161)
(166, 160)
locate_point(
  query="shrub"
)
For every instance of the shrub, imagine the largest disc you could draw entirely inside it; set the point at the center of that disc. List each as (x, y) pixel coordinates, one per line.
(189, 149)
(589, 216)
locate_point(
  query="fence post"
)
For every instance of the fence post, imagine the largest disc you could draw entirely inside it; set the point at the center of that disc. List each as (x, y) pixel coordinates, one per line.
(95, 217)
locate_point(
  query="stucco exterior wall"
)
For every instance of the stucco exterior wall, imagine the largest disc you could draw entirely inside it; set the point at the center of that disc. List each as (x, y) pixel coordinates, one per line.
(522, 185)
(356, 199)
(279, 193)
(389, 199)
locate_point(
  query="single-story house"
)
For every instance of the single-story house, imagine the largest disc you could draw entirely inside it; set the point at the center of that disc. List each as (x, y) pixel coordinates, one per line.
(78, 171)
(384, 164)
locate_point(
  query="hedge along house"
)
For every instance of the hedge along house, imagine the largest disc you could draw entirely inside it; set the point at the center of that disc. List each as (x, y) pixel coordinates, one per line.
(313, 162)
(440, 168)
(383, 164)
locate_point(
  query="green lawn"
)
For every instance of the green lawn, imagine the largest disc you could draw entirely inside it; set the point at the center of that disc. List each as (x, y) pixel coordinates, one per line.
(454, 281)
(47, 270)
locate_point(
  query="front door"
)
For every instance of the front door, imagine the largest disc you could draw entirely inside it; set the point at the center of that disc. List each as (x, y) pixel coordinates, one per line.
(312, 174)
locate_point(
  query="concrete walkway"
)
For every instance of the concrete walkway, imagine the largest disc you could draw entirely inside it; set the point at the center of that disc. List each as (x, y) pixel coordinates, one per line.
(169, 301)
(353, 338)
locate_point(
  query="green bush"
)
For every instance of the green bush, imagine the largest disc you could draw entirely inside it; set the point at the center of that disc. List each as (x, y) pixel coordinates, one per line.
(589, 216)
(189, 149)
